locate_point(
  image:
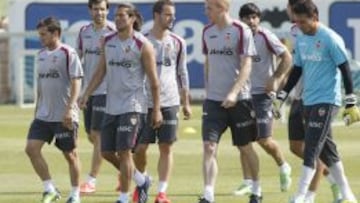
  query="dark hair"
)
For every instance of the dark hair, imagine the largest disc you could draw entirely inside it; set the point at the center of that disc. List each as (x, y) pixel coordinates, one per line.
(159, 5)
(293, 2)
(249, 9)
(51, 23)
(132, 11)
(306, 7)
(92, 2)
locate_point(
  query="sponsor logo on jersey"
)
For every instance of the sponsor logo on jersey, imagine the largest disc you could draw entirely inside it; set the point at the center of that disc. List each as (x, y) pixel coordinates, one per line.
(166, 62)
(225, 51)
(96, 51)
(123, 63)
(53, 73)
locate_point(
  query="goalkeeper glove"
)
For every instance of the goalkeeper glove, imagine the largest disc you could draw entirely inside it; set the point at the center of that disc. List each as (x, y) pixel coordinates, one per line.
(277, 101)
(351, 113)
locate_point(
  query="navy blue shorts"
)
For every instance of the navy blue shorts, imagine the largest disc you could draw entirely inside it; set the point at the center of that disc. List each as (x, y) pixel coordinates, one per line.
(318, 137)
(296, 125)
(264, 117)
(94, 113)
(167, 131)
(65, 139)
(120, 132)
(240, 119)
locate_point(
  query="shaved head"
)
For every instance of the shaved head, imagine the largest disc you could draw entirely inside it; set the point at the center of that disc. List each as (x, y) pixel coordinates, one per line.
(224, 4)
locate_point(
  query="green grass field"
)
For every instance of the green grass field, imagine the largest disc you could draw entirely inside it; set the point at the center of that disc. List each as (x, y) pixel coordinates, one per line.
(20, 184)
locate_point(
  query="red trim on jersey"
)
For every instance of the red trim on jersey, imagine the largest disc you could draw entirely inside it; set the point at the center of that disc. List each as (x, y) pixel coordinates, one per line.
(241, 37)
(138, 42)
(204, 47)
(109, 27)
(67, 55)
(82, 29)
(178, 59)
(108, 37)
(267, 42)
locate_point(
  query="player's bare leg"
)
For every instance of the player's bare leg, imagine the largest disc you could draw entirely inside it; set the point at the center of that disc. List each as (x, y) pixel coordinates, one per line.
(245, 186)
(273, 149)
(252, 160)
(210, 169)
(74, 169)
(90, 185)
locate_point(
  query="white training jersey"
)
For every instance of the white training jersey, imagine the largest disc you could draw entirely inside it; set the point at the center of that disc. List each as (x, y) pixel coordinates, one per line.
(267, 46)
(125, 74)
(224, 49)
(171, 68)
(55, 71)
(88, 46)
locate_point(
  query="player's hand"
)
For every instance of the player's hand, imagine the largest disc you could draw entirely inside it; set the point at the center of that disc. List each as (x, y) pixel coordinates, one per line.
(230, 101)
(187, 112)
(82, 101)
(156, 119)
(277, 101)
(351, 113)
(68, 118)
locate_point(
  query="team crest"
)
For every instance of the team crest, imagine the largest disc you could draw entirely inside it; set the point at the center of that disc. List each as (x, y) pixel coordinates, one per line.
(318, 44)
(133, 120)
(127, 49)
(322, 112)
(252, 114)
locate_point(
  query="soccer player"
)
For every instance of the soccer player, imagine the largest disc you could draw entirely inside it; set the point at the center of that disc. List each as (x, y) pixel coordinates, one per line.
(296, 127)
(320, 56)
(228, 47)
(88, 48)
(170, 52)
(56, 114)
(126, 58)
(265, 78)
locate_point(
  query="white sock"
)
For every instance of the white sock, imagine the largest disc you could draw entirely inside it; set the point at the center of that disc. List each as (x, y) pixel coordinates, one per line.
(330, 178)
(248, 182)
(305, 180)
(123, 197)
(209, 193)
(310, 196)
(91, 180)
(75, 192)
(337, 171)
(256, 188)
(285, 168)
(49, 186)
(139, 178)
(162, 186)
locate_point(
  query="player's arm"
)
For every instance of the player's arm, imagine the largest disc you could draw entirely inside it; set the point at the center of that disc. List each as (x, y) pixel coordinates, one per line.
(96, 78)
(79, 46)
(244, 74)
(76, 74)
(206, 70)
(281, 72)
(149, 63)
(351, 113)
(279, 98)
(184, 82)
